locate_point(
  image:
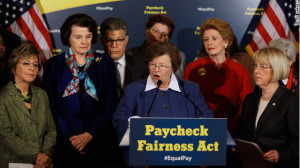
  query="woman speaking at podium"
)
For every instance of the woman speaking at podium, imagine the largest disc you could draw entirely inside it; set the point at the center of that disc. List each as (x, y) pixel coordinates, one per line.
(161, 94)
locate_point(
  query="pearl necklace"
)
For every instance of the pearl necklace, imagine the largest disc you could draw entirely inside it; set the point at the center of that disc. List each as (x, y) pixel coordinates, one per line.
(81, 64)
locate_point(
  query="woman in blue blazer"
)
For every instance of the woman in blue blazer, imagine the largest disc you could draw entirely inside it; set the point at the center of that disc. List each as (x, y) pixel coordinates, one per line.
(81, 88)
(270, 115)
(162, 85)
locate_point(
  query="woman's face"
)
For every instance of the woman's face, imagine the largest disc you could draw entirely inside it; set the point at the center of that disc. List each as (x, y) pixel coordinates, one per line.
(214, 43)
(26, 70)
(263, 74)
(160, 68)
(157, 33)
(80, 40)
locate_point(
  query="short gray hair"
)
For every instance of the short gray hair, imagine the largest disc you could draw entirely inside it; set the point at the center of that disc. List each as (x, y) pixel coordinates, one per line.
(113, 23)
(287, 46)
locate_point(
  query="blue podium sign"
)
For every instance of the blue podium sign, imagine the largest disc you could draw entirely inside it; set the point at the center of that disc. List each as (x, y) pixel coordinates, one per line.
(161, 141)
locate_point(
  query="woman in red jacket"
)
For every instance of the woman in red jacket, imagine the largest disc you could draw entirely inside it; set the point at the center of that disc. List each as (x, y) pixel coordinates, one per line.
(223, 82)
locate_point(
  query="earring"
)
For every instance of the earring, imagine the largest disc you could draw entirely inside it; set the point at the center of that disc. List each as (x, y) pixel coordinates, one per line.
(225, 46)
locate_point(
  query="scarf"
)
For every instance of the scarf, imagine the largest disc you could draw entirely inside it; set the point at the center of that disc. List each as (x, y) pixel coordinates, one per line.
(73, 85)
(26, 98)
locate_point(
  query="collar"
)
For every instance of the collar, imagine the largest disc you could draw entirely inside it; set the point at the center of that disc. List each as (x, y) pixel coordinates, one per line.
(173, 84)
(122, 61)
(224, 63)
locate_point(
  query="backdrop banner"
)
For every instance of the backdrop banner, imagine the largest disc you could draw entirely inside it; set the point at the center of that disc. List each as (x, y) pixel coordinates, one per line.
(188, 15)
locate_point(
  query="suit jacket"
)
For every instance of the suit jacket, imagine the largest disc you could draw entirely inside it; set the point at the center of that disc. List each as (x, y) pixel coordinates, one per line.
(24, 134)
(135, 70)
(12, 41)
(278, 126)
(92, 116)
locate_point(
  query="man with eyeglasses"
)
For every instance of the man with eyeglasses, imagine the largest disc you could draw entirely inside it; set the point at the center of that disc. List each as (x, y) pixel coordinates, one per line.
(114, 38)
(159, 28)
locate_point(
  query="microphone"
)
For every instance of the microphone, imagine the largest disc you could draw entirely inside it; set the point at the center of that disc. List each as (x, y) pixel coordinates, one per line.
(158, 84)
(181, 83)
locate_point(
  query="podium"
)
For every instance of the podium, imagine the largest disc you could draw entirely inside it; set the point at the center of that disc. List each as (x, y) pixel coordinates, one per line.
(177, 141)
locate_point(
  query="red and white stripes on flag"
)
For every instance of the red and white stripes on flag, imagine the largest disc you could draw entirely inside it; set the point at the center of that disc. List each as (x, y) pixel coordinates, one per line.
(278, 21)
(30, 26)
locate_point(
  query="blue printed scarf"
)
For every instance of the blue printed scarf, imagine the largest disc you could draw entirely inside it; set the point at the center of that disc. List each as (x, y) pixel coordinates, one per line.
(73, 85)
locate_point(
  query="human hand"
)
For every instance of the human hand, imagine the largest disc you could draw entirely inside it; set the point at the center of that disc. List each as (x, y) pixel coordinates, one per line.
(80, 141)
(271, 156)
(42, 161)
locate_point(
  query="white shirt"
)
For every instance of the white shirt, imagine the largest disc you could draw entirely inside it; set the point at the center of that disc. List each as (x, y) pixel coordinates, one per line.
(285, 81)
(121, 68)
(173, 84)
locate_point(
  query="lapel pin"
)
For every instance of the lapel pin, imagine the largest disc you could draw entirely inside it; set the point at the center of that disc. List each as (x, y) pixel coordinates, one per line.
(202, 71)
(98, 59)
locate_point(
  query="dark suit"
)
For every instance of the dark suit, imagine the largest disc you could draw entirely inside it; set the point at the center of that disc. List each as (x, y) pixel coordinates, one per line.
(135, 70)
(11, 41)
(278, 126)
(73, 117)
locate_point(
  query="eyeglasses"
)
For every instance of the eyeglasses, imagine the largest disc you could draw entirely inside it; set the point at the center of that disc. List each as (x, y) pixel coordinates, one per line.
(263, 67)
(27, 64)
(160, 67)
(157, 32)
(111, 42)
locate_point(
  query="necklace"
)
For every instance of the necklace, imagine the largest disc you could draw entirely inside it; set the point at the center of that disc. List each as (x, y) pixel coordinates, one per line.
(81, 65)
(80, 58)
(266, 97)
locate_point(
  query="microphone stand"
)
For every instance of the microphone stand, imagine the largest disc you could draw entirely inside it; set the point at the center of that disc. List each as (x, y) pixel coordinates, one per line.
(158, 84)
(182, 85)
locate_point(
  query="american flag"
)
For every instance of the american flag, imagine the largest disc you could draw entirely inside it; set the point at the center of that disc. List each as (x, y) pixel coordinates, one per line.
(23, 18)
(280, 20)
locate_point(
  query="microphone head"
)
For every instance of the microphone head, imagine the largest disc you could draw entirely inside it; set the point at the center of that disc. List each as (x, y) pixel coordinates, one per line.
(181, 83)
(159, 83)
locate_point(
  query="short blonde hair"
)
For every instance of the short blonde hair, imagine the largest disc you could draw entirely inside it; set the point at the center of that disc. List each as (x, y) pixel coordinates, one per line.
(276, 59)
